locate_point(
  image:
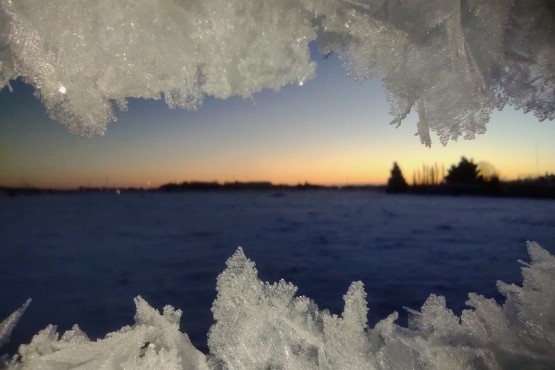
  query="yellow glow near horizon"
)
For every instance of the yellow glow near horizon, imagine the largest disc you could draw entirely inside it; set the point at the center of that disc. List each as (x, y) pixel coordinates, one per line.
(286, 138)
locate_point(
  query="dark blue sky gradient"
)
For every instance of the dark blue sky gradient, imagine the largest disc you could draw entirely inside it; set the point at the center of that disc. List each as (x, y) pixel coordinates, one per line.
(332, 130)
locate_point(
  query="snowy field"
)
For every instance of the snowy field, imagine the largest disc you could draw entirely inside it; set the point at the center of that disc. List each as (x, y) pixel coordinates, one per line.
(83, 258)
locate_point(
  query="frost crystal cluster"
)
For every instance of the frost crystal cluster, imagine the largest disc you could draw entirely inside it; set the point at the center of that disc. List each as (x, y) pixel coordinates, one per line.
(260, 325)
(451, 61)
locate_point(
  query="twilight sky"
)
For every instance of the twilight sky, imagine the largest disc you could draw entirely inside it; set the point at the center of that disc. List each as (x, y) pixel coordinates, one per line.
(331, 130)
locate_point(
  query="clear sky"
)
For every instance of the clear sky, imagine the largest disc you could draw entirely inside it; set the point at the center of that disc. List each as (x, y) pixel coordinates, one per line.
(331, 130)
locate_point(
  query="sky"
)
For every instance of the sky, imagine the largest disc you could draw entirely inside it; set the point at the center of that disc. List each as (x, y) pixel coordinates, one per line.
(331, 131)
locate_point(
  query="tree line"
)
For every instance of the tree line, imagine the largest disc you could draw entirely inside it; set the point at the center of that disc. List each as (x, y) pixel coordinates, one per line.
(468, 177)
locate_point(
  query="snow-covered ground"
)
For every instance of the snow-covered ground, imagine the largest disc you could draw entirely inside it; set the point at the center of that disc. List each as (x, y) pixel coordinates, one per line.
(83, 258)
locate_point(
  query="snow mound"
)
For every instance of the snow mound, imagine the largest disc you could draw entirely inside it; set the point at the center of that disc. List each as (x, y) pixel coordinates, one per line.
(451, 61)
(260, 325)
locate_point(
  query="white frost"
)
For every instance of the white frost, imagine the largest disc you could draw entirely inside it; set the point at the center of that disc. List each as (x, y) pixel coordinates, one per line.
(10, 322)
(261, 325)
(154, 342)
(451, 61)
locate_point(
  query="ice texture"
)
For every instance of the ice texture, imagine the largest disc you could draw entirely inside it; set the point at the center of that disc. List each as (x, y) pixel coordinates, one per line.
(453, 62)
(261, 325)
(10, 322)
(153, 342)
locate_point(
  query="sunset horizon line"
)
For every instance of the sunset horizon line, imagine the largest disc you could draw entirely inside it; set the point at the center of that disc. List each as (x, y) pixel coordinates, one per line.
(151, 185)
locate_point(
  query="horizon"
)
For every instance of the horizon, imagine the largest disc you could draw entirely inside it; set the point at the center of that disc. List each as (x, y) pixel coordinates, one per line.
(348, 185)
(226, 183)
(332, 131)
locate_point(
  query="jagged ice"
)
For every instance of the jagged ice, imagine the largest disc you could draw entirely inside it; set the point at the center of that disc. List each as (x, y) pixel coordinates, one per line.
(451, 61)
(260, 325)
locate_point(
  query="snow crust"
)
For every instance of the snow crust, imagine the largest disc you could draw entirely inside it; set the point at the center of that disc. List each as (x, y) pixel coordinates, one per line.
(451, 61)
(260, 325)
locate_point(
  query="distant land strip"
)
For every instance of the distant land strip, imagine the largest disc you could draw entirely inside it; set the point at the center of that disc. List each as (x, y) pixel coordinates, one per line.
(542, 188)
(186, 186)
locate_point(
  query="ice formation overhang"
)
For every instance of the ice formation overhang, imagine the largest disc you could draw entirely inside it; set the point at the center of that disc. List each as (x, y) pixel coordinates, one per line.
(262, 325)
(453, 61)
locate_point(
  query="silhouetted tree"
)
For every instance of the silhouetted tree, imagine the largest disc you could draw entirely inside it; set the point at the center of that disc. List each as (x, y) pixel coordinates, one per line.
(466, 172)
(396, 182)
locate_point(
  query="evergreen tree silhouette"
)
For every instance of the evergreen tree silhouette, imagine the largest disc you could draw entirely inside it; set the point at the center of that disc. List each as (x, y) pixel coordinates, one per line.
(466, 172)
(396, 182)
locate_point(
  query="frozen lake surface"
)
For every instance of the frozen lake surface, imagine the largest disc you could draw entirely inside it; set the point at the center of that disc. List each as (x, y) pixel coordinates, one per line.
(82, 258)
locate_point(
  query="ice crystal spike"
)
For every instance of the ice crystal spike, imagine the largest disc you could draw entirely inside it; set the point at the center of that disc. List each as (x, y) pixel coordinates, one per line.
(261, 325)
(10, 322)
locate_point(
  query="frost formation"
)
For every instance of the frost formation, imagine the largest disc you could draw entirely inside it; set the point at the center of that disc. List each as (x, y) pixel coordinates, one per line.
(260, 325)
(451, 61)
(6, 326)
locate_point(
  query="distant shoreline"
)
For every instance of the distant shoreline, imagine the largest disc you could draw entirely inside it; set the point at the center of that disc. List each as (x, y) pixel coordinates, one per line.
(530, 188)
(187, 187)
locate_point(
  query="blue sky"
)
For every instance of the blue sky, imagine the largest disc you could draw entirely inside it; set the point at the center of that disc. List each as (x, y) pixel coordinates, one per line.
(331, 130)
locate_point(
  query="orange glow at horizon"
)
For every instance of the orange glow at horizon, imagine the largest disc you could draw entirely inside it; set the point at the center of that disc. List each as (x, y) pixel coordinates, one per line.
(324, 168)
(333, 133)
